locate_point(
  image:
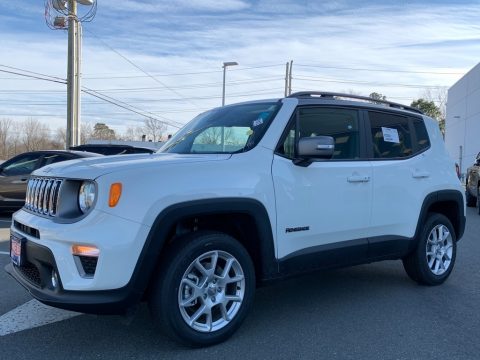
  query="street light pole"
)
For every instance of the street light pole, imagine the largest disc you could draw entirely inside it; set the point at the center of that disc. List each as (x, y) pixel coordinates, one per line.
(225, 64)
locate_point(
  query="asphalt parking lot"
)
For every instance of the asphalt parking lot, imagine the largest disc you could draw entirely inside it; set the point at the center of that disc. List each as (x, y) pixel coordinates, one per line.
(365, 312)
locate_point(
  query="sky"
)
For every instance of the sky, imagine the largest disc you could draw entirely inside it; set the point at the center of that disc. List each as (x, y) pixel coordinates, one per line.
(164, 58)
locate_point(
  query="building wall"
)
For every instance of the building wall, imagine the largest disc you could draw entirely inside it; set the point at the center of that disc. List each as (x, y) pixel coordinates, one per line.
(462, 125)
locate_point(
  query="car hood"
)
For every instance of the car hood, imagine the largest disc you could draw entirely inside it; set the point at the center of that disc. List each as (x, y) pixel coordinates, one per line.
(91, 168)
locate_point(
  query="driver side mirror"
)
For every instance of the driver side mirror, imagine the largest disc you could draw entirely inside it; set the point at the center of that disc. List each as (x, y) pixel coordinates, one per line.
(314, 147)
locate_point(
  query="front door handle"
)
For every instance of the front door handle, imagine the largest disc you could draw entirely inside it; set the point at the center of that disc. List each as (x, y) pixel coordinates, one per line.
(358, 178)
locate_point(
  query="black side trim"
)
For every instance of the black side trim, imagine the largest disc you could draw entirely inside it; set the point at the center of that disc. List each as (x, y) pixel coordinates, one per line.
(326, 256)
(389, 247)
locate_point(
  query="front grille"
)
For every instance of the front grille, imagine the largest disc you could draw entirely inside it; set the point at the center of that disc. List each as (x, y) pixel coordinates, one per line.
(31, 273)
(89, 264)
(42, 195)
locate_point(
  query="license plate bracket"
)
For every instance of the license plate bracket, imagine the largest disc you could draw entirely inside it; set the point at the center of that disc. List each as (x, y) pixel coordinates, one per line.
(17, 249)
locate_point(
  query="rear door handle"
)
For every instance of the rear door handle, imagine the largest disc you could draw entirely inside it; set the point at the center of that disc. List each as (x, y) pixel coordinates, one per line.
(420, 174)
(358, 178)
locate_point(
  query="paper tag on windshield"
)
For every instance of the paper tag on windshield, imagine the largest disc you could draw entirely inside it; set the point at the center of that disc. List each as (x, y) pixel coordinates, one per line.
(257, 122)
(390, 135)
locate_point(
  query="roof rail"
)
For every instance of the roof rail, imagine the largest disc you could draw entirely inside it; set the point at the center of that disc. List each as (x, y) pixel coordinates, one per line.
(333, 95)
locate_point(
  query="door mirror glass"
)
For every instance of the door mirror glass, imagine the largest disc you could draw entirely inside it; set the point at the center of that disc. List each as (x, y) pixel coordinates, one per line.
(316, 147)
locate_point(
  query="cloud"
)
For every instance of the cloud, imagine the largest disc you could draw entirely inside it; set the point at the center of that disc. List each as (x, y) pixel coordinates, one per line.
(334, 39)
(176, 6)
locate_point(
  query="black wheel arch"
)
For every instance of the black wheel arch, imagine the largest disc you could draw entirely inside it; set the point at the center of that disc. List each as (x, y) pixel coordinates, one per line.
(166, 227)
(447, 202)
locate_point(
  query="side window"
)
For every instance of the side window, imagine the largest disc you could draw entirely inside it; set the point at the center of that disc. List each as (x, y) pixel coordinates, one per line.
(54, 158)
(423, 142)
(341, 124)
(24, 165)
(391, 137)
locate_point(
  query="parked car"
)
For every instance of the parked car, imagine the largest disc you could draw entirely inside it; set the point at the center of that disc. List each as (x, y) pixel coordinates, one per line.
(472, 185)
(113, 149)
(15, 172)
(243, 194)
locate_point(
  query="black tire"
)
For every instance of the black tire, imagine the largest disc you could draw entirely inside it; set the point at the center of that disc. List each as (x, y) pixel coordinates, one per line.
(416, 264)
(165, 296)
(470, 199)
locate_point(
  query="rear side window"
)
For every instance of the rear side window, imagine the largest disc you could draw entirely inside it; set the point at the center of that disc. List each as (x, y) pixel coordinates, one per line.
(423, 142)
(391, 135)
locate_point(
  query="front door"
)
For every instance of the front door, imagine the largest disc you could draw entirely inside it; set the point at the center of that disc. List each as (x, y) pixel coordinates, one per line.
(326, 206)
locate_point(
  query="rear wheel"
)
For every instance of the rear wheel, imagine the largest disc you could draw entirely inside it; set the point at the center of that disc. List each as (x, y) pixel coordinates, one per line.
(205, 291)
(432, 261)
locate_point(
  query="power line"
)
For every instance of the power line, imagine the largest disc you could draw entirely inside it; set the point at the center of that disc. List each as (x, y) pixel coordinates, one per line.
(381, 70)
(240, 68)
(344, 81)
(104, 98)
(139, 68)
(92, 92)
(34, 77)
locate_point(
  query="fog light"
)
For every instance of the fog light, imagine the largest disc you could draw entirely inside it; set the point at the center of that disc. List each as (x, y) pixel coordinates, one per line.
(54, 279)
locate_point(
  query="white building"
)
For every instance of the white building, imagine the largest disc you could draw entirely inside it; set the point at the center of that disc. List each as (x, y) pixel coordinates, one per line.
(462, 125)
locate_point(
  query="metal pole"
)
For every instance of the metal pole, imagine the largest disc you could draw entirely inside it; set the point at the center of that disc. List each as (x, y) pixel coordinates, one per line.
(78, 75)
(223, 92)
(71, 78)
(290, 79)
(286, 81)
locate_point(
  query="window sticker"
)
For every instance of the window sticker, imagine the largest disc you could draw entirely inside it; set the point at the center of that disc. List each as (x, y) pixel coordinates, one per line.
(390, 135)
(257, 122)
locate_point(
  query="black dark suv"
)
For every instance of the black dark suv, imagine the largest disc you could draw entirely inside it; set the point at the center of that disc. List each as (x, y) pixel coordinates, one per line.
(473, 184)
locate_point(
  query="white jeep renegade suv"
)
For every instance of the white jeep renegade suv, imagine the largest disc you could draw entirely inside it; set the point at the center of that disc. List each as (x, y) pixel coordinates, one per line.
(242, 194)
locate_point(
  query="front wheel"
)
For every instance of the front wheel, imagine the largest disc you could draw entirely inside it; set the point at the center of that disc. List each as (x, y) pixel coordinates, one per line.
(206, 289)
(432, 261)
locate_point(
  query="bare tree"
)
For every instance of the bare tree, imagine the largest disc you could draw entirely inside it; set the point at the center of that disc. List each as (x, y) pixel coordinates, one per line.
(86, 132)
(5, 130)
(61, 135)
(134, 133)
(154, 129)
(439, 96)
(34, 135)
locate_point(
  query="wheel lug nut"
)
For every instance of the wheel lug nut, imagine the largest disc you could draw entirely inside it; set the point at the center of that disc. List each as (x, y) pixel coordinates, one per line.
(213, 298)
(204, 296)
(219, 289)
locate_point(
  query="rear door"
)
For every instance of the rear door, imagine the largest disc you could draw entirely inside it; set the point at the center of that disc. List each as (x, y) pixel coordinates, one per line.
(402, 178)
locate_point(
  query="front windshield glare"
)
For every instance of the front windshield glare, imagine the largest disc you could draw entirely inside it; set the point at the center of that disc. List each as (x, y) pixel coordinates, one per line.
(229, 129)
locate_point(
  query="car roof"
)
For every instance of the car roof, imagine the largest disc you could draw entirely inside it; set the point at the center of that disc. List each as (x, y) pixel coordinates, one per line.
(77, 153)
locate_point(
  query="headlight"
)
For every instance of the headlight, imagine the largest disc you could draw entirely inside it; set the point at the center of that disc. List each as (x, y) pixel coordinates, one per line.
(86, 196)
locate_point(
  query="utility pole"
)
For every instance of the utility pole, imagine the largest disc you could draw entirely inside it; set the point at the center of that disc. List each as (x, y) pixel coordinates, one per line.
(72, 75)
(61, 15)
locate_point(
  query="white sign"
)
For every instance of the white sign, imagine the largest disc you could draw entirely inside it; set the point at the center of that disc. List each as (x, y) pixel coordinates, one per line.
(390, 135)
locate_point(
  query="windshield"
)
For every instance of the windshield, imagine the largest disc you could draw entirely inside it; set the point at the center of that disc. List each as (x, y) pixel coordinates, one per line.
(230, 129)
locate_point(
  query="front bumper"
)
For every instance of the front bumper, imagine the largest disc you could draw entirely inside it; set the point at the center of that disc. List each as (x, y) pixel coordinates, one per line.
(48, 248)
(116, 301)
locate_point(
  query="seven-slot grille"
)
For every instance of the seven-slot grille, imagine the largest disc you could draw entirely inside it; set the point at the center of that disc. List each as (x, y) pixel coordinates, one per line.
(42, 195)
